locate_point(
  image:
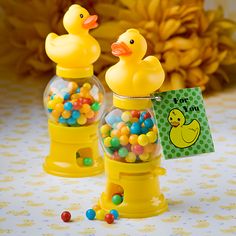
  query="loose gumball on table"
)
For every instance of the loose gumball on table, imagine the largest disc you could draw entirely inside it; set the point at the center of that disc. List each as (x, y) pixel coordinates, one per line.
(66, 216)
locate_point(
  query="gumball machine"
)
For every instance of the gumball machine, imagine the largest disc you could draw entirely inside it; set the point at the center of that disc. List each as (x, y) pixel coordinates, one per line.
(73, 99)
(129, 134)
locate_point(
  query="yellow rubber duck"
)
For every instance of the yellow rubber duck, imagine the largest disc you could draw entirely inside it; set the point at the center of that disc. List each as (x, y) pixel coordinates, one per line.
(77, 48)
(182, 135)
(133, 75)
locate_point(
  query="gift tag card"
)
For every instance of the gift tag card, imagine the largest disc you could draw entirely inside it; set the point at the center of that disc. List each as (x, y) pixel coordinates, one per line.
(182, 123)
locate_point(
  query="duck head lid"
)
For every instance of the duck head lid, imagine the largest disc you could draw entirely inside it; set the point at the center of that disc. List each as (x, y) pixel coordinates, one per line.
(76, 51)
(134, 75)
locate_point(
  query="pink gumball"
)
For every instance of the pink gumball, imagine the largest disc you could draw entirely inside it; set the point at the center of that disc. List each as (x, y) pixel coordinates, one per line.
(137, 149)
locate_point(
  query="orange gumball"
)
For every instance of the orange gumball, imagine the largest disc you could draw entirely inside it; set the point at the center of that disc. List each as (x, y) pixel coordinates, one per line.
(133, 139)
(72, 86)
(115, 133)
(125, 130)
(90, 114)
(85, 108)
(124, 140)
(66, 114)
(59, 107)
(56, 114)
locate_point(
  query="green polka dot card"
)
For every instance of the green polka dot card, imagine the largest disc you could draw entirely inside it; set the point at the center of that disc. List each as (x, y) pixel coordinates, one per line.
(182, 123)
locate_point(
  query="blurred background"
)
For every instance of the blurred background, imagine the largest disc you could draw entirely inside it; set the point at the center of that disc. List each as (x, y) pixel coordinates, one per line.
(193, 39)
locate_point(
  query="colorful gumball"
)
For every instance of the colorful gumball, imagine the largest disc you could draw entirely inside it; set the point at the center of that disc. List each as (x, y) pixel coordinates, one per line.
(90, 214)
(100, 214)
(117, 199)
(66, 216)
(135, 128)
(123, 152)
(143, 140)
(137, 149)
(114, 213)
(109, 218)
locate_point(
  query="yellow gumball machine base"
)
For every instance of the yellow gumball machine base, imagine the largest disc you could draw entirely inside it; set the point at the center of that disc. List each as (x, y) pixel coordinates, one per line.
(139, 185)
(69, 148)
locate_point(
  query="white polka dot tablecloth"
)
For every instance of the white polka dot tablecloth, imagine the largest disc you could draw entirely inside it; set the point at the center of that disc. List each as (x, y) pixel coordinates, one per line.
(201, 190)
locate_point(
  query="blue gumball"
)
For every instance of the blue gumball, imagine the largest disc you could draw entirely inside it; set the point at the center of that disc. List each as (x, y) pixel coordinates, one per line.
(68, 106)
(71, 121)
(62, 120)
(148, 123)
(75, 114)
(144, 130)
(90, 214)
(135, 128)
(114, 213)
(66, 96)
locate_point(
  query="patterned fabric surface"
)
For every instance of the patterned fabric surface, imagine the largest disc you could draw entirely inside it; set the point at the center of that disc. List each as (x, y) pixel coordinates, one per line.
(201, 190)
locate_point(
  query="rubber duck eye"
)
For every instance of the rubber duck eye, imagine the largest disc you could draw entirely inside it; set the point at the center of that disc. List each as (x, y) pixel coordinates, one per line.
(171, 118)
(81, 15)
(178, 119)
(131, 41)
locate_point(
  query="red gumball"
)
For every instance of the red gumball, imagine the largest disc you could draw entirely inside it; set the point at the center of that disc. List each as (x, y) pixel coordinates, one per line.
(87, 101)
(109, 218)
(66, 216)
(147, 115)
(135, 113)
(77, 105)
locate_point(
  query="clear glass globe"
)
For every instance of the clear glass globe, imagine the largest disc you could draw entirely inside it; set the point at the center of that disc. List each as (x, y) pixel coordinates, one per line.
(130, 136)
(74, 102)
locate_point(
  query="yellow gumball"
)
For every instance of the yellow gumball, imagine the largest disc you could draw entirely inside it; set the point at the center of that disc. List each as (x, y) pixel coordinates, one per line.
(133, 139)
(82, 120)
(124, 140)
(105, 129)
(87, 86)
(152, 137)
(131, 157)
(51, 104)
(58, 99)
(100, 214)
(107, 142)
(143, 140)
(126, 116)
(144, 156)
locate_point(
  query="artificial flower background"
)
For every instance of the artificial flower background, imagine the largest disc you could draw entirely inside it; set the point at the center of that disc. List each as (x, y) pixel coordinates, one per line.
(195, 46)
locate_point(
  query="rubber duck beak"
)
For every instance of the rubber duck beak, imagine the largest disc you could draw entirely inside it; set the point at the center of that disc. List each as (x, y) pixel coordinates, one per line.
(175, 124)
(120, 49)
(90, 22)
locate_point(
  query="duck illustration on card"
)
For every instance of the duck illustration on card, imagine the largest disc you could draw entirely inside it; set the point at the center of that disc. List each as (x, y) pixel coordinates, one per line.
(182, 135)
(182, 123)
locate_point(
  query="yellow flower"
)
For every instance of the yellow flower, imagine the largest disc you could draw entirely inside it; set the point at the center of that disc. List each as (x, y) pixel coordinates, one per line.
(24, 25)
(192, 44)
